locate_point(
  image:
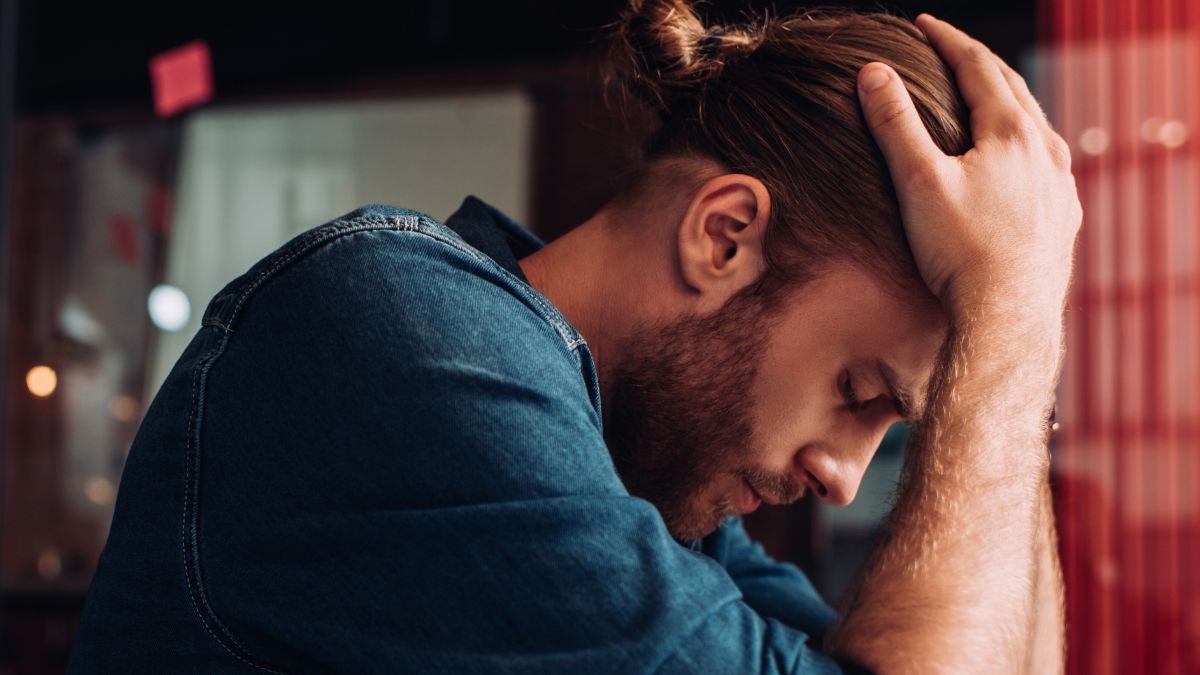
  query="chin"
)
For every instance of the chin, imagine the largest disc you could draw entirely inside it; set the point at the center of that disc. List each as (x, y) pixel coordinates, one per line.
(700, 519)
(694, 530)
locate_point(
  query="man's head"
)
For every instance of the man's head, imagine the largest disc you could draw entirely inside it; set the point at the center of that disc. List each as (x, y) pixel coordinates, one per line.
(793, 327)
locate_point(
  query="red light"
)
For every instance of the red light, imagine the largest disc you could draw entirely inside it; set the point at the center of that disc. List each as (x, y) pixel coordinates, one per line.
(158, 209)
(123, 234)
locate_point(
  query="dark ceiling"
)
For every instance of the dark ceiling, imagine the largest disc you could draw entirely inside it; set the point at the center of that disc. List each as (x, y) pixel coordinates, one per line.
(83, 56)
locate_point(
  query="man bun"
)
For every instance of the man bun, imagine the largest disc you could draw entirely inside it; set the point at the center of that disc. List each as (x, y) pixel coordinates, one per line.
(661, 51)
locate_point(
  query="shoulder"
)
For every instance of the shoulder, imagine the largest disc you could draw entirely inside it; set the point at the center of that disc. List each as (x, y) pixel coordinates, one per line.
(380, 261)
(384, 332)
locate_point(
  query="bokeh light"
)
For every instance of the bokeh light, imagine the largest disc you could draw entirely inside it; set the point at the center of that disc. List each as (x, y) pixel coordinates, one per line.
(41, 381)
(1093, 141)
(169, 308)
(123, 408)
(100, 490)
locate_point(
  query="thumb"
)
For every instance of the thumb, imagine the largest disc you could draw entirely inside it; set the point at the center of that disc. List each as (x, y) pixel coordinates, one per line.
(894, 123)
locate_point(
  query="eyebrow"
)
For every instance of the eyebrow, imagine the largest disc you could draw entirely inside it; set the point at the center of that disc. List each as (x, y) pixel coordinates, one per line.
(906, 406)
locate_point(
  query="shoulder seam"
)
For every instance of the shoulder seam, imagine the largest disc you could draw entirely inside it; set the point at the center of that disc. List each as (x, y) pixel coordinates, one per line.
(569, 336)
(223, 314)
(299, 248)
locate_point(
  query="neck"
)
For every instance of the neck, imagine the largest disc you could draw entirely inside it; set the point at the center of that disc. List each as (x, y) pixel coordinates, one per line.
(592, 282)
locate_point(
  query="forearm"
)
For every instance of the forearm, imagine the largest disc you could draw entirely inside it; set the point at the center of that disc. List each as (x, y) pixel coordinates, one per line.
(952, 586)
(1047, 655)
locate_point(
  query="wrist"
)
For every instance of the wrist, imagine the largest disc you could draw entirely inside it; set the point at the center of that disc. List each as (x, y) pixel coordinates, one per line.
(1027, 301)
(1001, 370)
(1005, 324)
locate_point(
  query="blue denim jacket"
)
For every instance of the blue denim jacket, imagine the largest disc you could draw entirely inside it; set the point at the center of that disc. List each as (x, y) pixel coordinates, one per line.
(382, 452)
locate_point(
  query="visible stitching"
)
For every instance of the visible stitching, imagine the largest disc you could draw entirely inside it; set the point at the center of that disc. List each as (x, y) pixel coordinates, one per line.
(548, 313)
(189, 545)
(189, 522)
(215, 322)
(305, 244)
(191, 514)
(406, 223)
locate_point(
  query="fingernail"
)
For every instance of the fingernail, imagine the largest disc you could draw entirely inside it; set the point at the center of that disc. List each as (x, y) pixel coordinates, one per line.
(873, 78)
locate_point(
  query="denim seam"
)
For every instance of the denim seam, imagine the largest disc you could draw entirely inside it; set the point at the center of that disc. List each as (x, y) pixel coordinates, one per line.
(216, 322)
(189, 525)
(305, 245)
(548, 313)
(225, 322)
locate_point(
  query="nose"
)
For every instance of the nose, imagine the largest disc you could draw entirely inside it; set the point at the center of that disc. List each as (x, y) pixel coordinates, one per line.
(834, 470)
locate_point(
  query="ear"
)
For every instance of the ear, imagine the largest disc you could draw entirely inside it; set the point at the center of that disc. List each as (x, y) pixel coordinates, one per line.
(721, 238)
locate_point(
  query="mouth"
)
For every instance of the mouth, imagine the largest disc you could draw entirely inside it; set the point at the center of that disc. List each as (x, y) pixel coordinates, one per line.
(748, 498)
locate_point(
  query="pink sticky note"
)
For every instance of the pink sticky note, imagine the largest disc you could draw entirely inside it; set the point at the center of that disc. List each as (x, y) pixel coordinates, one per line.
(182, 78)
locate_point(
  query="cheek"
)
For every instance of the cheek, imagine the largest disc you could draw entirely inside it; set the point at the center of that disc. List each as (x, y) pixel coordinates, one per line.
(790, 409)
(795, 393)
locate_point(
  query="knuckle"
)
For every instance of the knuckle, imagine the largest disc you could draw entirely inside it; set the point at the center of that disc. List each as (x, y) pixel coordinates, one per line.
(1060, 152)
(924, 176)
(1023, 130)
(888, 114)
(977, 53)
(1026, 129)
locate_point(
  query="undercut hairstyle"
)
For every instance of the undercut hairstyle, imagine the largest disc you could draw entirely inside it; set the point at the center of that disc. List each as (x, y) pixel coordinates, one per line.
(775, 97)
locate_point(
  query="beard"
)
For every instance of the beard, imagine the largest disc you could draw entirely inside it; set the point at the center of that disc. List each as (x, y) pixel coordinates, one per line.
(678, 421)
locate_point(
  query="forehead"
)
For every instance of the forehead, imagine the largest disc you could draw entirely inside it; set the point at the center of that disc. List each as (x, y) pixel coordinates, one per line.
(848, 314)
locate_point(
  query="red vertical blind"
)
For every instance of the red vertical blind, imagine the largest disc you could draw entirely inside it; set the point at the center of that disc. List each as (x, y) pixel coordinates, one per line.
(1121, 79)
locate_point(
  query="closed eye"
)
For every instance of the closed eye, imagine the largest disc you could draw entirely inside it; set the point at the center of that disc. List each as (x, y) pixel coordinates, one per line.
(853, 403)
(848, 394)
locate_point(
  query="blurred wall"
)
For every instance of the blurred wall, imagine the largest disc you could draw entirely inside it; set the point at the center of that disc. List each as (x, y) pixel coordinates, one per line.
(252, 178)
(1121, 82)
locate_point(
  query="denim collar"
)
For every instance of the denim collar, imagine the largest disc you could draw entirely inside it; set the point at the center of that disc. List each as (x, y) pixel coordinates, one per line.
(491, 232)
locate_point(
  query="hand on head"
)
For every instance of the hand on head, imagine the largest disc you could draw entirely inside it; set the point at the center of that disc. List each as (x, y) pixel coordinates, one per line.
(996, 226)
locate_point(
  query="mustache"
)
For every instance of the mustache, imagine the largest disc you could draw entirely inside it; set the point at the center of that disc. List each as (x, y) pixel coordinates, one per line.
(777, 487)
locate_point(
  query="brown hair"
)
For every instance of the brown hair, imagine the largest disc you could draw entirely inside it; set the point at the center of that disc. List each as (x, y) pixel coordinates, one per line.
(776, 98)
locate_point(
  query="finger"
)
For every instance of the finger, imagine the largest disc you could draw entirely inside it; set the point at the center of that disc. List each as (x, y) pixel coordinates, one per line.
(1025, 97)
(994, 107)
(895, 124)
(1020, 90)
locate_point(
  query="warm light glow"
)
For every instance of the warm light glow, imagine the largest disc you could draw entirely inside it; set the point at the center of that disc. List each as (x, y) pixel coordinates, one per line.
(49, 564)
(123, 408)
(1173, 133)
(41, 380)
(100, 490)
(169, 308)
(1170, 133)
(1093, 141)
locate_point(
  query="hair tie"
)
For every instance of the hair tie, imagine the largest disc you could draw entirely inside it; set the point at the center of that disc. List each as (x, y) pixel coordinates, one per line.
(710, 44)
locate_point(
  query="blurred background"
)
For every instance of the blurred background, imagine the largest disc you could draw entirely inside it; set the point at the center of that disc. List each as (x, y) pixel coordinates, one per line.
(152, 151)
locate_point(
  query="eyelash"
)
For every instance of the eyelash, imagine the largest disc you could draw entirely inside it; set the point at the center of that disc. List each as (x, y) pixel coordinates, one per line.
(852, 402)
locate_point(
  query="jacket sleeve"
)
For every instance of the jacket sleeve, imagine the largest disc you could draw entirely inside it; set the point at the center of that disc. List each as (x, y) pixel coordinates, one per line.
(777, 590)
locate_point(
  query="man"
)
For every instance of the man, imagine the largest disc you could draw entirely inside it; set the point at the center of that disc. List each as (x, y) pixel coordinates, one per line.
(402, 446)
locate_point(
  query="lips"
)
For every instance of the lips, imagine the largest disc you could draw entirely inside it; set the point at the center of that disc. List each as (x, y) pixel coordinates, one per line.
(748, 500)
